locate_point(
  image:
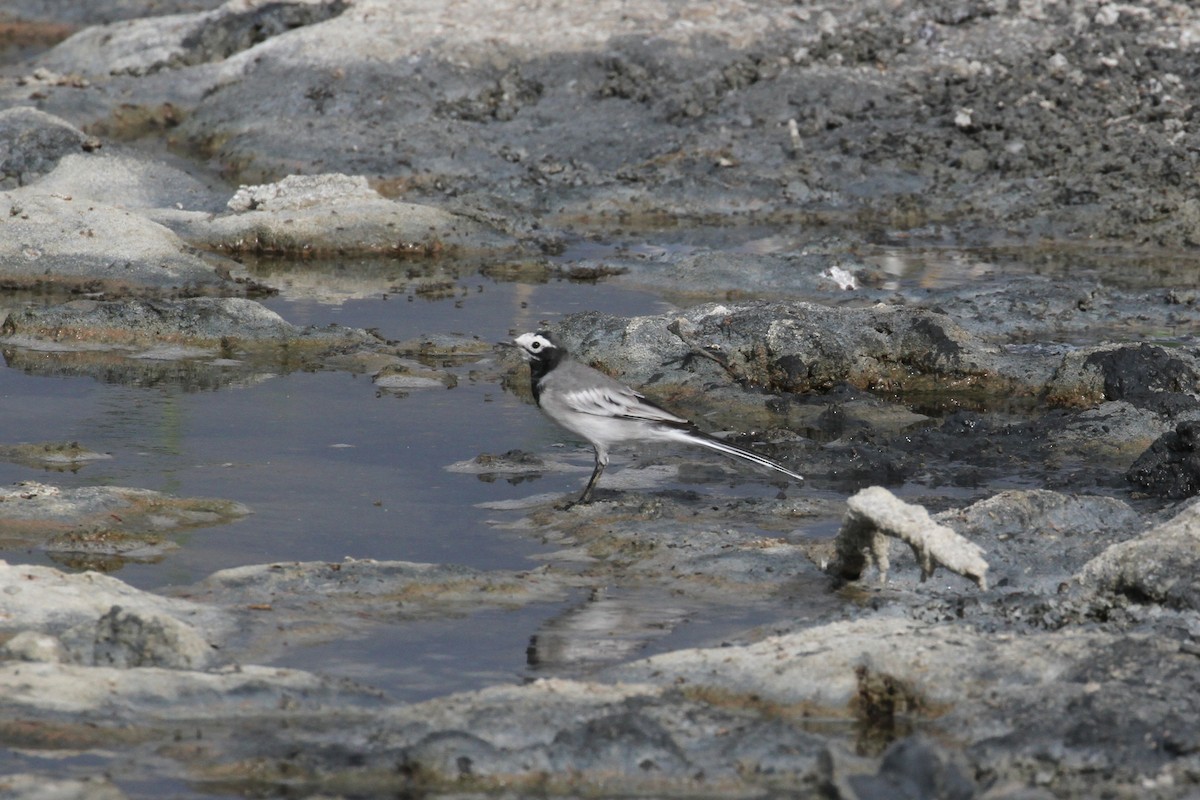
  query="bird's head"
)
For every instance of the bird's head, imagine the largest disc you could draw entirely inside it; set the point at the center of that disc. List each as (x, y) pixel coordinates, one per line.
(540, 346)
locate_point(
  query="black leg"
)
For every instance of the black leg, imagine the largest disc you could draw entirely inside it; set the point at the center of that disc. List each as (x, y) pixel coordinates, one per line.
(586, 497)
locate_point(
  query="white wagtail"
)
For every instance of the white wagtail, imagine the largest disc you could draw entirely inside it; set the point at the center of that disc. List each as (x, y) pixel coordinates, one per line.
(587, 402)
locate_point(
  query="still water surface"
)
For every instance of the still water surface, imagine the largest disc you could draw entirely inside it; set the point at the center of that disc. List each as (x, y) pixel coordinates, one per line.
(333, 468)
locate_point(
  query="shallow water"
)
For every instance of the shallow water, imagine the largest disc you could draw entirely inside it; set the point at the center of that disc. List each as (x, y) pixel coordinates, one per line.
(333, 468)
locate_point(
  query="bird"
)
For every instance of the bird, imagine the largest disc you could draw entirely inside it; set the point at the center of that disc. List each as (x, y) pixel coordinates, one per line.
(605, 411)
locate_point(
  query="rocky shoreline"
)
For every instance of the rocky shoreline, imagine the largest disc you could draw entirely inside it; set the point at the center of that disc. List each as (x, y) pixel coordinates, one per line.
(1042, 420)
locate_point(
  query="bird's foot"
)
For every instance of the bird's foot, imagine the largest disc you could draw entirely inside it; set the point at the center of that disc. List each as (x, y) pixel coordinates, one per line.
(586, 500)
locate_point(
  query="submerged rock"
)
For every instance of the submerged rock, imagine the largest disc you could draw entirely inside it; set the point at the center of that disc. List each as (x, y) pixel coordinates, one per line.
(199, 342)
(54, 455)
(34, 512)
(23, 786)
(195, 322)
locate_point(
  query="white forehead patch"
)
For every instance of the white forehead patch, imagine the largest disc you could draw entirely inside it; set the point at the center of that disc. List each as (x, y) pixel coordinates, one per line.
(533, 343)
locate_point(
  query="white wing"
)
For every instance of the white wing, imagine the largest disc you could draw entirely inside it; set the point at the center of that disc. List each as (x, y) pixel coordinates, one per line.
(618, 402)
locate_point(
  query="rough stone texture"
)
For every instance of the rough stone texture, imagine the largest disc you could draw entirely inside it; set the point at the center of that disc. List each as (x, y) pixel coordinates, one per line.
(1170, 468)
(111, 221)
(51, 454)
(1162, 566)
(1064, 118)
(32, 142)
(39, 787)
(126, 639)
(69, 11)
(142, 46)
(49, 601)
(54, 242)
(33, 646)
(130, 181)
(1036, 539)
(884, 668)
(244, 692)
(912, 767)
(856, 141)
(799, 348)
(228, 323)
(1144, 375)
(297, 192)
(321, 214)
(385, 583)
(32, 502)
(197, 321)
(788, 347)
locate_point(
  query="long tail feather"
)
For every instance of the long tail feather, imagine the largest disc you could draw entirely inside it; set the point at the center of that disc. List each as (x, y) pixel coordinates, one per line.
(698, 437)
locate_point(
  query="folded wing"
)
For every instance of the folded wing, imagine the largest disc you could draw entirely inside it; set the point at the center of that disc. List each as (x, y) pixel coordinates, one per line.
(619, 402)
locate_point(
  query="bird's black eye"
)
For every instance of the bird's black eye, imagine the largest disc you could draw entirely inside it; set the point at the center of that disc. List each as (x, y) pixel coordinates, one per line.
(535, 345)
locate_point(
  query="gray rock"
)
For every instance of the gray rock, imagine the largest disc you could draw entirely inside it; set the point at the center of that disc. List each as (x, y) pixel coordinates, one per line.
(586, 734)
(55, 242)
(143, 46)
(614, 742)
(129, 639)
(45, 507)
(1161, 566)
(764, 111)
(34, 646)
(790, 347)
(32, 142)
(296, 192)
(1114, 432)
(1170, 468)
(1144, 375)
(47, 601)
(247, 692)
(61, 455)
(384, 585)
(406, 374)
(913, 768)
(70, 12)
(197, 343)
(38, 787)
(322, 214)
(199, 322)
(164, 193)
(1048, 120)
(1037, 539)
